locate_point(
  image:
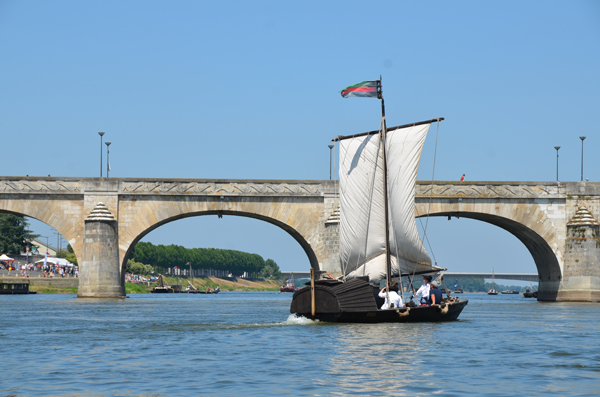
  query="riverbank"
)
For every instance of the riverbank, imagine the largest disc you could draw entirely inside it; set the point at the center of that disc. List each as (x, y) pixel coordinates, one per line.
(70, 285)
(202, 283)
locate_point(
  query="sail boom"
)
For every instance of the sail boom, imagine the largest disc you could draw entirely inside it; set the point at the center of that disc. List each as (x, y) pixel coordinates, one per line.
(339, 138)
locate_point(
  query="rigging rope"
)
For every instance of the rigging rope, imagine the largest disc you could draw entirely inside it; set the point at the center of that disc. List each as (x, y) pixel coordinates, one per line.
(432, 179)
(430, 196)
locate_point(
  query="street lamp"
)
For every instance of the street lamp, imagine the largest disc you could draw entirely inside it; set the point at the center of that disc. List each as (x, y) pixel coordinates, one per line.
(330, 154)
(107, 160)
(47, 244)
(101, 134)
(556, 147)
(582, 138)
(57, 239)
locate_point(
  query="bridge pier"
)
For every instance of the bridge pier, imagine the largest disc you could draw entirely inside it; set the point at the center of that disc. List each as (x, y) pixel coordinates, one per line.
(100, 268)
(581, 274)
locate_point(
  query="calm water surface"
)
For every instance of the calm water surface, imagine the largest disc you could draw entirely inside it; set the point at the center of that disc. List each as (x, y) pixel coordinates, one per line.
(246, 343)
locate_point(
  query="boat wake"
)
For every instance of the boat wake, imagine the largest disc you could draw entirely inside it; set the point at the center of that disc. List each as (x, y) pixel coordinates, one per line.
(295, 319)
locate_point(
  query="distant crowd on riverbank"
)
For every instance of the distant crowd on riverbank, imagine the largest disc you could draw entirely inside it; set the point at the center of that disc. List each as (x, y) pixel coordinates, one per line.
(137, 279)
(37, 270)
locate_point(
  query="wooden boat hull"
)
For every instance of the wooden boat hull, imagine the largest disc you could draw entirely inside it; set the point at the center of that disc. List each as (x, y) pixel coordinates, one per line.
(530, 294)
(354, 302)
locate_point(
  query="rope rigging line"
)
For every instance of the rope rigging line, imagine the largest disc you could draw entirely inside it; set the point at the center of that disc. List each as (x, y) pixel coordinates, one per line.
(430, 196)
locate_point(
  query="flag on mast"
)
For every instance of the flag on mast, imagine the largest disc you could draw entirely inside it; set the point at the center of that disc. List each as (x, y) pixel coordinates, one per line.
(364, 89)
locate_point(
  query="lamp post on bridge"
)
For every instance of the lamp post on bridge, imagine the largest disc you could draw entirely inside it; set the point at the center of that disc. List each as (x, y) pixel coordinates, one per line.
(582, 138)
(330, 159)
(101, 134)
(107, 158)
(556, 147)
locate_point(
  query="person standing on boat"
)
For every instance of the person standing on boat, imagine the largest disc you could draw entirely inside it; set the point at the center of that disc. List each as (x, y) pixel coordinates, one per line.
(395, 300)
(435, 295)
(423, 291)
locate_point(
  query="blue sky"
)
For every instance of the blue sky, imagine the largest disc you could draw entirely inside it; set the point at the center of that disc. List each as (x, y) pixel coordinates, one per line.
(240, 89)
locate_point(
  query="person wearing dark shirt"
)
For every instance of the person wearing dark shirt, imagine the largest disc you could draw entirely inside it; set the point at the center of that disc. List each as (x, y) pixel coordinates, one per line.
(435, 295)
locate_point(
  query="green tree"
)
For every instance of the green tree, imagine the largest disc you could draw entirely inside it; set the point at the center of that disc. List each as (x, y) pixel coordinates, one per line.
(14, 234)
(67, 254)
(138, 268)
(271, 270)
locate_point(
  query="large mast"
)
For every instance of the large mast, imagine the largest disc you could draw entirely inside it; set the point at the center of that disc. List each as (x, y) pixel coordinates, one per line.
(388, 259)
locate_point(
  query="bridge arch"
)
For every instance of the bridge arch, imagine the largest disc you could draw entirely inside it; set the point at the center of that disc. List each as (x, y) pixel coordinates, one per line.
(292, 232)
(139, 216)
(57, 212)
(526, 221)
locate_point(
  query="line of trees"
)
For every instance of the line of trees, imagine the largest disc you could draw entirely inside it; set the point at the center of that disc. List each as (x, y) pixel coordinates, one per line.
(162, 257)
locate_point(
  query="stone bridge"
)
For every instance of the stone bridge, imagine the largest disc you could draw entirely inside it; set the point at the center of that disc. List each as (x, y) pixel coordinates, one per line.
(556, 222)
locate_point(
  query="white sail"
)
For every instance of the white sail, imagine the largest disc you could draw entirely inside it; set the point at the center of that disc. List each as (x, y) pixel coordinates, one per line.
(403, 149)
(362, 215)
(362, 223)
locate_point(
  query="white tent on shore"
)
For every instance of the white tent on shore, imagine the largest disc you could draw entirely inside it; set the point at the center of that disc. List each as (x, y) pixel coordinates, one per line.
(57, 261)
(5, 258)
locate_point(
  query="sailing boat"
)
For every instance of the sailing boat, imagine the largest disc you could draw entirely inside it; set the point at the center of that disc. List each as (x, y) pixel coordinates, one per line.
(378, 232)
(493, 291)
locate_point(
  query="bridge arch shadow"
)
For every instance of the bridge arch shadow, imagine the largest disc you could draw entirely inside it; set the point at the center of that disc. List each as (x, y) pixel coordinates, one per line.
(287, 228)
(545, 259)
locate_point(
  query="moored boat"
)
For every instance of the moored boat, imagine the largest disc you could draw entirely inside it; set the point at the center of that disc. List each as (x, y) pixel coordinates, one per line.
(509, 292)
(161, 288)
(15, 289)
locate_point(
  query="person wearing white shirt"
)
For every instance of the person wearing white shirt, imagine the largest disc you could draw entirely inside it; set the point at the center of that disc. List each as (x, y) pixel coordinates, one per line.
(423, 291)
(395, 300)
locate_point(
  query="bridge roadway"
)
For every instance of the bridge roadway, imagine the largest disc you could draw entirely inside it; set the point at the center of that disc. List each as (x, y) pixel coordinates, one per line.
(103, 219)
(447, 275)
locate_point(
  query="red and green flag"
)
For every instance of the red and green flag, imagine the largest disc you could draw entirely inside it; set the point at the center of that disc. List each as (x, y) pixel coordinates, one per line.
(365, 89)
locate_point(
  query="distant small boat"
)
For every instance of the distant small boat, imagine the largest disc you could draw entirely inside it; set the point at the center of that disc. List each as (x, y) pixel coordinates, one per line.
(510, 292)
(493, 290)
(289, 287)
(529, 293)
(458, 290)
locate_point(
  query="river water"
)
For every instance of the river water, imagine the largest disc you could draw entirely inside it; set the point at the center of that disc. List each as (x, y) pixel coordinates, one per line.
(246, 343)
